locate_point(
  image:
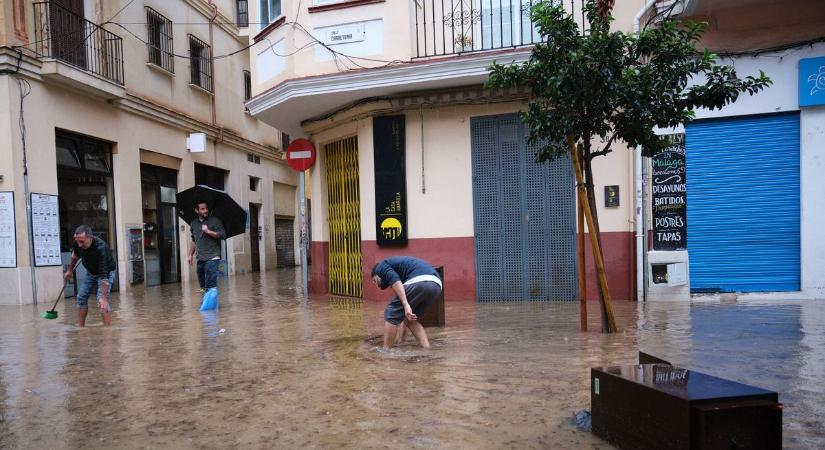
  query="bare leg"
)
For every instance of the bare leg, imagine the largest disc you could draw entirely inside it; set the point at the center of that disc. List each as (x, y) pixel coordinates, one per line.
(107, 319)
(418, 331)
(402, 334)
(390, 334)
(81, 316)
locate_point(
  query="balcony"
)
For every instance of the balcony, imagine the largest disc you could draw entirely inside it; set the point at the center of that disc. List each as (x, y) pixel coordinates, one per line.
(76, 51)
(452, 27)
(387, 50)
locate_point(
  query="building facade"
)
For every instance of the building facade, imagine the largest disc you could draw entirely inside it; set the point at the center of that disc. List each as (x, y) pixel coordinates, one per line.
(754, 187)
(415, 157)
(113, 106)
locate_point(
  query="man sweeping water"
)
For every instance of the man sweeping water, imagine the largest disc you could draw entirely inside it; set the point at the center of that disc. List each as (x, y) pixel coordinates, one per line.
(416, 286)
(100, 265)
(207, 233)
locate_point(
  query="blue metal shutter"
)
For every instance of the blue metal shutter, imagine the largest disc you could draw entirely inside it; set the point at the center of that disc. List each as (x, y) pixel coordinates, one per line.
(743, 203)
(524, 216)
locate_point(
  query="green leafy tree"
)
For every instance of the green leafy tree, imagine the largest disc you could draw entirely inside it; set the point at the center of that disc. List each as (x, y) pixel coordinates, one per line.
(591, 90)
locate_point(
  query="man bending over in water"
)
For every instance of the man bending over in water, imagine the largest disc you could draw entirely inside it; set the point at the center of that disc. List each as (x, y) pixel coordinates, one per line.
(416, 285)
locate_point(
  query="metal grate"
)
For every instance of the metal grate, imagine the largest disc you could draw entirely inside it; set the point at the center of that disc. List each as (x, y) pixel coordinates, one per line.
(743, 203)
(160, 40)
(284, 242)
(68, 37)
(524, 216)
(345, 274)
(200, 55)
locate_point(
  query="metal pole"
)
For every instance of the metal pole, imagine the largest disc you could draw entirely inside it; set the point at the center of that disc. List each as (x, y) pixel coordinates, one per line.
(26, 193)
(302, 193)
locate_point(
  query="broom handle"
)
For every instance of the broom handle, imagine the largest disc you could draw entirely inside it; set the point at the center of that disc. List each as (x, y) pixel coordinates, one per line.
(64, 286)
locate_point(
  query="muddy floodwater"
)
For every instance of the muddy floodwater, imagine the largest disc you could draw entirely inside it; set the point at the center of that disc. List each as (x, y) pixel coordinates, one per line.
(272, 369)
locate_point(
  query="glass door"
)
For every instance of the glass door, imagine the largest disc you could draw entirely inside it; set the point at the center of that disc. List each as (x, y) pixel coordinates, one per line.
(169, 257)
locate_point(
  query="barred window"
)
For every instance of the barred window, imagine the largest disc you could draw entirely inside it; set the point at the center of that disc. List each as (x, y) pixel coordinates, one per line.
(243, 13)
(160, 40)
(199, 58)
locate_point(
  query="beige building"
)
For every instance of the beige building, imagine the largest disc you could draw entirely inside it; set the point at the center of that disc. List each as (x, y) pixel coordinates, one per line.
(415, 157)
(110, 93)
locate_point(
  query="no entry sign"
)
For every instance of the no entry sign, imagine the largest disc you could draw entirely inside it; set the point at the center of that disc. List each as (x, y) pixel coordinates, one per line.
(300, 155)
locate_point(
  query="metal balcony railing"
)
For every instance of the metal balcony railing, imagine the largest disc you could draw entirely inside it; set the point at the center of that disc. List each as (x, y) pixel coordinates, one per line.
(447, 27)
(68, 37)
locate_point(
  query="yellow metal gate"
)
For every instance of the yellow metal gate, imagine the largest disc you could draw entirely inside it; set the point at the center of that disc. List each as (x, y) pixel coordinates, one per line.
(345, 276)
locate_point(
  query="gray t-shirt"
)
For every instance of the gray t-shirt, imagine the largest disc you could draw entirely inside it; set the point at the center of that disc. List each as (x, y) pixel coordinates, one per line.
(207, 246)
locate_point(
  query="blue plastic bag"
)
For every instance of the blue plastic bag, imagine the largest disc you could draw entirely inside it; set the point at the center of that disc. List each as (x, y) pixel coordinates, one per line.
(210, 300)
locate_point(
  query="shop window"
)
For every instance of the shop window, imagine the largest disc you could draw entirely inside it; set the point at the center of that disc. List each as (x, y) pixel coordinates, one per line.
(67, 154)
(210, 176)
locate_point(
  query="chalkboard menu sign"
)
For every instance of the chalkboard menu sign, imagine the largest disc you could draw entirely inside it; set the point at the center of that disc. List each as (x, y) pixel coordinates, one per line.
(390, 180)
(669, 198)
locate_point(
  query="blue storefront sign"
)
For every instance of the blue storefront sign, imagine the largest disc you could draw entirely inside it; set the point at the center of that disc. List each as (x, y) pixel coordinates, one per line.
(812, 81)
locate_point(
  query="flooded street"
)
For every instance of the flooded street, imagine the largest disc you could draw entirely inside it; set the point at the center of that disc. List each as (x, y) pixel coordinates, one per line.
(272, 369)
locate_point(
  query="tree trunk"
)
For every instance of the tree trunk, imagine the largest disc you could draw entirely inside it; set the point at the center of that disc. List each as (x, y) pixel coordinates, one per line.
(609, 324)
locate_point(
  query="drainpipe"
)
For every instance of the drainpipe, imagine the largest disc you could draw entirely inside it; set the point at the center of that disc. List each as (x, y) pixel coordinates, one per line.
(640, 228)
(638, 18)
(212, 63)
(640, 222)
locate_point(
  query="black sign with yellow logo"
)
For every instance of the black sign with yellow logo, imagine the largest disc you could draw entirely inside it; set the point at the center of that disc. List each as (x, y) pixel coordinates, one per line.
(390, 180)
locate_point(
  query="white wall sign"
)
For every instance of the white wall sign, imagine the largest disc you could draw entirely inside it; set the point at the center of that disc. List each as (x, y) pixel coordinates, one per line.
(196, 142)
(344, 34)
(46, 230)
(8, 241)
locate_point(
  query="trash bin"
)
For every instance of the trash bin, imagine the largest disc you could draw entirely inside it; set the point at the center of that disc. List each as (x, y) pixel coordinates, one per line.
(434, 317)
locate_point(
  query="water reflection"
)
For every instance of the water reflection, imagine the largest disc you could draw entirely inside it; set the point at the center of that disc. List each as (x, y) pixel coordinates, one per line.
(289, 371)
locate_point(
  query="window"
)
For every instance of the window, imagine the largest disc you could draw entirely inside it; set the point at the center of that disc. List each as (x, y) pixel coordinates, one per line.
(199, 63)
(210, 176)
(253, 158)
(160, 40)
(242, 8)
(247, 85)
(270, 10)
(253, 183)
(284, 141)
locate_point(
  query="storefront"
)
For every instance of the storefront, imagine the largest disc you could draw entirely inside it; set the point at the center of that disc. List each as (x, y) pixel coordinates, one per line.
(160, 231)
(85, 191)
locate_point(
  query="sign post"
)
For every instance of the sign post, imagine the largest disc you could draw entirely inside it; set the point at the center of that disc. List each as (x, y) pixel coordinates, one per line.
(300, 155)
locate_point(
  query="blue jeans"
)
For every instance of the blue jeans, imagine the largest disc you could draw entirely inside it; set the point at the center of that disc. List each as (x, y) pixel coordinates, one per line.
(93, 283)
(208, 273)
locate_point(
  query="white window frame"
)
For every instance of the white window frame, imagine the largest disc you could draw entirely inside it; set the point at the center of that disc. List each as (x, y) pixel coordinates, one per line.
(269, 9)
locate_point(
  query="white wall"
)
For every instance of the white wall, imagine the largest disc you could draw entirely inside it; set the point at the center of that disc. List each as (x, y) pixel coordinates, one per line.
(782, 96)
(812, 164)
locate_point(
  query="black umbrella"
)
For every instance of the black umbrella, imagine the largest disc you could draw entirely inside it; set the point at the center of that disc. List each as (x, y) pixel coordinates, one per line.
(220, 204)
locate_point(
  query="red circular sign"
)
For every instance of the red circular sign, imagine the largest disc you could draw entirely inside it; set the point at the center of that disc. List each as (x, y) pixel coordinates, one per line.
(300, 155)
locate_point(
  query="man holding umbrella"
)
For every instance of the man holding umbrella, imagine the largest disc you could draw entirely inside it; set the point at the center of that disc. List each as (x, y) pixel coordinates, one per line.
(212, 216)
(207, 233)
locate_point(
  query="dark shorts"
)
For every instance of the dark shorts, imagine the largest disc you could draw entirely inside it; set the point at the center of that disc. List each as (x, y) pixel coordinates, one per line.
(420, 296)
